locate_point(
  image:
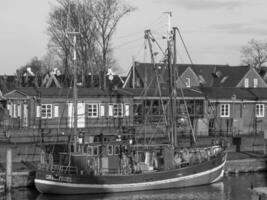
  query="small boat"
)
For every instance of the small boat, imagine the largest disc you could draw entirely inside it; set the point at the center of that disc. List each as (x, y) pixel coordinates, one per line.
(124, 165)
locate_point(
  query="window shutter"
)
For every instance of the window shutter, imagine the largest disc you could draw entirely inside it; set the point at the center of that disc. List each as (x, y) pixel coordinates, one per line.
(38, 111)
(127, 110)
(110, 110)
(56, 108)
(9, 108)
(14, 110)
(102, 110)
(19, 110)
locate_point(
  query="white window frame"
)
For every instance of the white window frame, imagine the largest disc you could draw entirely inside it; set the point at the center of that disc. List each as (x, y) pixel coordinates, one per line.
(44, 111)
(246, 83)
(260, 110)
(93, 112)
(118, 110)
(187, 82)
(225, 110)
(255, 82)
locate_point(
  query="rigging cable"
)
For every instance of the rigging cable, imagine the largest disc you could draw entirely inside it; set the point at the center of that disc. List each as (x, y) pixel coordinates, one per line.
(187, 52)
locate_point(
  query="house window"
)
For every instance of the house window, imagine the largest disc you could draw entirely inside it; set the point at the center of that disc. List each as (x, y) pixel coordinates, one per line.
(118, 110)
(225, 110)
(46, 111)
(187, 82)
(255, 82)
(92, 110)
(95, 150)
(246, 83)
(259, 110)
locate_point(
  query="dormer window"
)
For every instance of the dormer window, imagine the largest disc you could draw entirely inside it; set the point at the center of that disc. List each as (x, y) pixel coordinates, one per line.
(246, 83)
(187, 82)
(255, 83)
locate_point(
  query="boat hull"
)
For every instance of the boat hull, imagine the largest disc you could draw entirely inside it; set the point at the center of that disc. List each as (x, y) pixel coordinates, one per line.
(204, 173)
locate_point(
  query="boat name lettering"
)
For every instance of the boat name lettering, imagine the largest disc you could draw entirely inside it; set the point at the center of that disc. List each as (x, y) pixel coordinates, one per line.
(59, 178)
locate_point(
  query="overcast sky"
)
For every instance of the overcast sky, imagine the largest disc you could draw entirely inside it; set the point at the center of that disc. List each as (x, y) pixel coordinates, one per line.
(213, 30)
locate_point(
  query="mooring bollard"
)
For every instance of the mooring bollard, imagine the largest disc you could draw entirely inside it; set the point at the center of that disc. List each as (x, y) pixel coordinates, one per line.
(8, 169)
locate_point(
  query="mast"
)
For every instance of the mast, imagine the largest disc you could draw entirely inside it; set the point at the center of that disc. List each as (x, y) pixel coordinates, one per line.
(74, 33)
(172, 89)
(75, 95)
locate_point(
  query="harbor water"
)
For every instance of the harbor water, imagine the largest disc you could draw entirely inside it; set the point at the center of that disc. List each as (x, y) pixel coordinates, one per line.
(232, 187)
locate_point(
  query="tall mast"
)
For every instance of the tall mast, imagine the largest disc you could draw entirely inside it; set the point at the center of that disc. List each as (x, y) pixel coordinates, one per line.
(75, 95)
(74, 33)
(172, 90)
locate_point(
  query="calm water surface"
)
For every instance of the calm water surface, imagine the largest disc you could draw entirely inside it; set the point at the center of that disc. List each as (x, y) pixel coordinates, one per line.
(233, 187)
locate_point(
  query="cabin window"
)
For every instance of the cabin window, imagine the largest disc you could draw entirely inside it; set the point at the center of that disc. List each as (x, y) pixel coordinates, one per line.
(246, 83)
(187, 82)
(89, 150)
(93, 110)
(110, 150)
(259, 110)
(46, 111)
(225, 110)
(118, 110)
(255, 82)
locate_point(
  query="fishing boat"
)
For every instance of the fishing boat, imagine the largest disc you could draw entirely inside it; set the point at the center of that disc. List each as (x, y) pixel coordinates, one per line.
(132, 166)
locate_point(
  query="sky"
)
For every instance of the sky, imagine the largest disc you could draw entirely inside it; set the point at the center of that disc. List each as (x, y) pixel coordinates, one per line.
(214, 31)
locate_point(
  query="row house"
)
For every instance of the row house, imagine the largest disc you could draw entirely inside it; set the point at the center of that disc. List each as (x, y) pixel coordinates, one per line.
(142, 75)
(98, 111)
(211, 111)
(236, 111)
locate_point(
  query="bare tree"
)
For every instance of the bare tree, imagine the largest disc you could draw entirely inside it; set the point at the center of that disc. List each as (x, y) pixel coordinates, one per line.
(57, 28)
(95, 20)
(254, 53)
(107, 14)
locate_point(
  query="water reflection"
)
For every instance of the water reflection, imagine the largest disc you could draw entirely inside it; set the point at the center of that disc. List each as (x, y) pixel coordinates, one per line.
(230, 188)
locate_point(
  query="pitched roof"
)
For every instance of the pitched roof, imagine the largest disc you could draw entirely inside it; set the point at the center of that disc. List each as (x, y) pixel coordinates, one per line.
(68, 92)
(146, 71)
(209, 75)
(220, 75)
(8, 83)
(154, 92)
(224, 93)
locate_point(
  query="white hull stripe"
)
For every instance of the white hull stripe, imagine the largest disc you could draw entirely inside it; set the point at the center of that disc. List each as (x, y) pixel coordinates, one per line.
(115, 186)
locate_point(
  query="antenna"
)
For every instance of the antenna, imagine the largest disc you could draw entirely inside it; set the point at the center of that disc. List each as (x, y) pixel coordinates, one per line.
(169, 14)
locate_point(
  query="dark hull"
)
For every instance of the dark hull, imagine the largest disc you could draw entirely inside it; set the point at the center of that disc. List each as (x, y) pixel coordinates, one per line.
(204, 173)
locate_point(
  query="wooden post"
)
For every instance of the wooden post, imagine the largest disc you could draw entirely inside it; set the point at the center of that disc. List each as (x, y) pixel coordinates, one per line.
(9, 169)
(264, 142)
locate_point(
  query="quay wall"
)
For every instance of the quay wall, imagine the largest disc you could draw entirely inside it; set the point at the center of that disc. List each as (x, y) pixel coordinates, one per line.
(245, 165)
